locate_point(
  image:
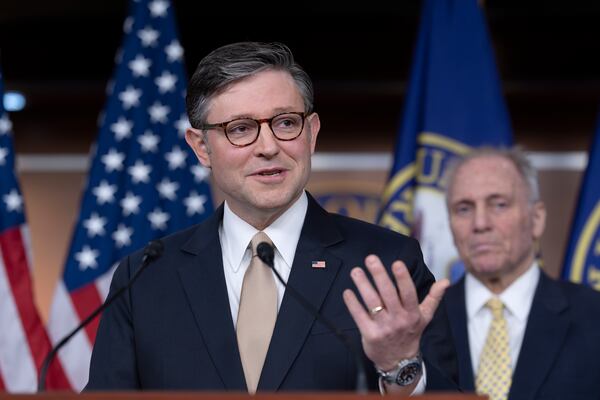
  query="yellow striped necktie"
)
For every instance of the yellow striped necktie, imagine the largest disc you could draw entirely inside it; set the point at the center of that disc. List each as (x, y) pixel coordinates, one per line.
(494, 376)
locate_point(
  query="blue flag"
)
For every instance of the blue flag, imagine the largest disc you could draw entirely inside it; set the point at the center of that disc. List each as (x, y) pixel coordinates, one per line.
(144, 181)
(582, 263)
(454, 102)
(12, 211)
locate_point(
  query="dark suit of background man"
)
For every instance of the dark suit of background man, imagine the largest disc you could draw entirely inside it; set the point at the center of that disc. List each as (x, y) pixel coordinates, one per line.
(553, 328)
(251, 110)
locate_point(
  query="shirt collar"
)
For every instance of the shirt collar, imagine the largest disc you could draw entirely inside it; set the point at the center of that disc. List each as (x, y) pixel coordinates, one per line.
(284, 232)
(517, 298)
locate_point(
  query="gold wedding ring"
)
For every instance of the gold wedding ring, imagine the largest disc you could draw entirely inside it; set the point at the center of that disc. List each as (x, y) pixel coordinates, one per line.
(376, 310)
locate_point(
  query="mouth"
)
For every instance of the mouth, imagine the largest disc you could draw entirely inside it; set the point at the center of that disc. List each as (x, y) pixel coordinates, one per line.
(270, 176)
(269, 172)
(483, 247)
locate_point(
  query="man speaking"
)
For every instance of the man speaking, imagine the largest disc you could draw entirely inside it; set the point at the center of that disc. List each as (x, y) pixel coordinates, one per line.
(210, 315)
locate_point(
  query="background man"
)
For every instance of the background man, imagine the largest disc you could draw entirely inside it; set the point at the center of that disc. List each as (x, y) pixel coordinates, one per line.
(209, 315)
(517, 332)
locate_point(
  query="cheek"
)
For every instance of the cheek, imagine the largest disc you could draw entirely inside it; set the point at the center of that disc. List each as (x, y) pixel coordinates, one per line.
(227, 157)
(460, 231)
(516, 237)
(299, 154)
(226, 166)
(525, 236)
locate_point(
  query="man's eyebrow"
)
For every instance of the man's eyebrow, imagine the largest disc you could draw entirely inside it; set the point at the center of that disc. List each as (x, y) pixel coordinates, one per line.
(278, 110)
(495, 196)
(461, 201)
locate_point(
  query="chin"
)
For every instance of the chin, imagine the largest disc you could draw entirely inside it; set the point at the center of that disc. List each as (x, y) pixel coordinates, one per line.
(279, 198)
(487, 267)
(274, 203)
(489, 272)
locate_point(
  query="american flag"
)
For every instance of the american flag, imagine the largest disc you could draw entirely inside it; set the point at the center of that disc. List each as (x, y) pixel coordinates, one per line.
(143, 182)
(23, 340)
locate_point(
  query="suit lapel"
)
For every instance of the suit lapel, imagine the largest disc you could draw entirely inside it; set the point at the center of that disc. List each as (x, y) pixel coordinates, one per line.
(546, 330)
(293, 321)
(457, 310)
(203, 281)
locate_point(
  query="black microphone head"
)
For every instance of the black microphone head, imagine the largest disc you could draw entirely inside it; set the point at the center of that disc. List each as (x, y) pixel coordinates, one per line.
(265, 252)
(154, 249)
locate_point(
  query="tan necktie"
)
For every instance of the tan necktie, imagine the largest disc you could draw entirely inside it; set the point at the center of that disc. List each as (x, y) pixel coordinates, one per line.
(494, 376)
(257, 315)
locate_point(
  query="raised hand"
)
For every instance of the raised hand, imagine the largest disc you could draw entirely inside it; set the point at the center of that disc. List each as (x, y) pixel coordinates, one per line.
(393, 321)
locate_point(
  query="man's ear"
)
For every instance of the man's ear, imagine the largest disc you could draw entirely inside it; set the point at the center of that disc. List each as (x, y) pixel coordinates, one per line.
(539, 219)
(197, 140)
(314, 124)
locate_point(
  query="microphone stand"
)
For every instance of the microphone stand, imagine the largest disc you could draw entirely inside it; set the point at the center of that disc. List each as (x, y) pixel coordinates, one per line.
(266, 253)
(152, 251)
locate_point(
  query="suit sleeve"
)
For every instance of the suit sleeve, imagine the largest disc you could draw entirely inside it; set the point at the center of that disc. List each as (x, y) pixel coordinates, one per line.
(437, 345)
(113, 363)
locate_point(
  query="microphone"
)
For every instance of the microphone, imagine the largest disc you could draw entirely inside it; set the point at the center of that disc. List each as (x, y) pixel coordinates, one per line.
(266, 253)
(153, 251)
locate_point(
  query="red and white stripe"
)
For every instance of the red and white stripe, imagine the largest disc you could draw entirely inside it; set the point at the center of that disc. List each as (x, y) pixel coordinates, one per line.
(23, 340)
(67, 311)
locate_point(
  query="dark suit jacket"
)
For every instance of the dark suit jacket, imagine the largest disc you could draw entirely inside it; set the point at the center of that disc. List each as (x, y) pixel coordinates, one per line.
(173, 328)
(560, 354)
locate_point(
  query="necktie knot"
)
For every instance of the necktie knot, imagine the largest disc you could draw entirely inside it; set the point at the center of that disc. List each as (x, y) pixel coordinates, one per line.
(496, 306)
(258, 239)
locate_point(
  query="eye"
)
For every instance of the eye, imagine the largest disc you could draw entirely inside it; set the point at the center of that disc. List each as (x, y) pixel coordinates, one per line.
(462, 209)
(499, 204)
(241, 127)
(287, 122)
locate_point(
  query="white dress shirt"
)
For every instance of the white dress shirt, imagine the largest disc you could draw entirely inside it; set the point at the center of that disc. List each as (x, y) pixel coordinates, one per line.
(235, 235)
(517, 299)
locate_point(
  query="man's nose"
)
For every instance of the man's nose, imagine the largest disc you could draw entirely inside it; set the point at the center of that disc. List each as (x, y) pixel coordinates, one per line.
(267, 143)
(481, 220)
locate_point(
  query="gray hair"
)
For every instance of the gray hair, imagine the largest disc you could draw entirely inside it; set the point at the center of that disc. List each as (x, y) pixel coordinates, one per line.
(513, 154)
(233, 62)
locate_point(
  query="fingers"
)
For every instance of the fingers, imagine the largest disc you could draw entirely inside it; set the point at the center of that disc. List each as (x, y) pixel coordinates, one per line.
(385, 287)
(359, 314)
(406, 287)
(394, 333)
(398, 298)
(367, 292)
(432, 301)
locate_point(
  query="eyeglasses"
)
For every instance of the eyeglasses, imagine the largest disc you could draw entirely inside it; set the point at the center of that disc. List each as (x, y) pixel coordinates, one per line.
(243, 132)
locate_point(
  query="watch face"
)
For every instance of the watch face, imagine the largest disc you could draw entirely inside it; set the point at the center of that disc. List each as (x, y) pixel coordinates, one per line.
(408, 374)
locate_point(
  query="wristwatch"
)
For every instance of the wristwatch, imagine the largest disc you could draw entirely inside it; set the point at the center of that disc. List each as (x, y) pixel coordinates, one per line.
(405, 373)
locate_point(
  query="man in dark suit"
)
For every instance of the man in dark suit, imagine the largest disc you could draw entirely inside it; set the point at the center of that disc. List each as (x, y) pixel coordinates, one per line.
(543, 340)
(210, 315)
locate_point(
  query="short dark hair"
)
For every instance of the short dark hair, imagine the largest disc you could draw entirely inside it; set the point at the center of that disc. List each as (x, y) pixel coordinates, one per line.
(235, 61)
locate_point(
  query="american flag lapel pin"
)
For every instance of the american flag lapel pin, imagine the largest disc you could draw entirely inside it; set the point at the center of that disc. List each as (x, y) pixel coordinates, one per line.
(318, 264)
